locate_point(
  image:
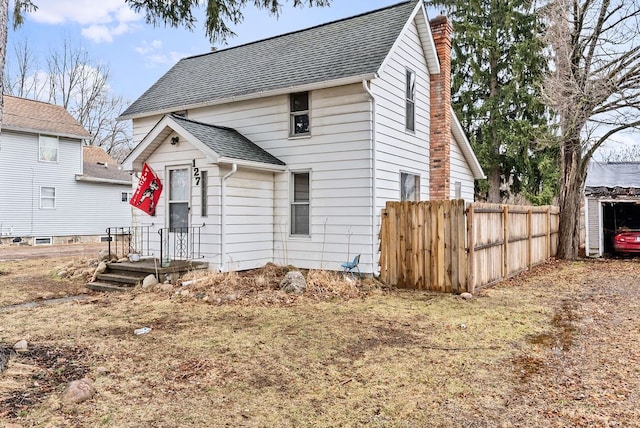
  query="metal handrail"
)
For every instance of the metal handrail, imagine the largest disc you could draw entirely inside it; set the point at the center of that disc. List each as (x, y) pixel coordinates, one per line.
(125, 240)
(180, 243)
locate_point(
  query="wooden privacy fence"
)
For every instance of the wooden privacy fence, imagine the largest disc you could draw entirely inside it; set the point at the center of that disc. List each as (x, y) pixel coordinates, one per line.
(450, 247)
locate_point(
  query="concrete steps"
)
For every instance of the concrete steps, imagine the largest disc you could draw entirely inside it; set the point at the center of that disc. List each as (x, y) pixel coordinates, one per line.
(124, 276)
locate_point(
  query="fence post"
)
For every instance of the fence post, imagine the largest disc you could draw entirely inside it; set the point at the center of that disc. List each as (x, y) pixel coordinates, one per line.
(505, 224)
(548, 233)
(471, 252)
(530, 238)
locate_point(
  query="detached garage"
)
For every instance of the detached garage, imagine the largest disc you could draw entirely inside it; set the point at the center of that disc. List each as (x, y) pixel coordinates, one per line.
(612, 201)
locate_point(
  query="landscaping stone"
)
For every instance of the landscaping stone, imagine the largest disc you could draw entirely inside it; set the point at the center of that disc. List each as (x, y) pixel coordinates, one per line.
(467, 296)
(78, 391)
(293, 282)
(102, 268)
(21, 346)
(149, 281)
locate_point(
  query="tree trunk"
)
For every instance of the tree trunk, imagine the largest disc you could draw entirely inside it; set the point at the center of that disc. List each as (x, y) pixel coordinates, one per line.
(493, 178)
(571, 186)
(4, 25)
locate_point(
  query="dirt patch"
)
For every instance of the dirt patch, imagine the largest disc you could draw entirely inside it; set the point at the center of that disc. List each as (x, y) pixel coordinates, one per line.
(39, 372)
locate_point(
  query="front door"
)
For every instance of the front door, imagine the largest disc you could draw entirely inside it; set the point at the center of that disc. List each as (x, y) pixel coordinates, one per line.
(177, 244)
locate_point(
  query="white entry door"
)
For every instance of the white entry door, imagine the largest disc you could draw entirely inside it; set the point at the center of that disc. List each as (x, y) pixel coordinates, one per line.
(179, 197)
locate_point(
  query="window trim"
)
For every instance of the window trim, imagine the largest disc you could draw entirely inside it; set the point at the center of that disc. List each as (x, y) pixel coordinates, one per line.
(48, 198)
(416, 189)
(44, 137)
(295, 113)
(293, 202)
(168, 198)
(410, 100)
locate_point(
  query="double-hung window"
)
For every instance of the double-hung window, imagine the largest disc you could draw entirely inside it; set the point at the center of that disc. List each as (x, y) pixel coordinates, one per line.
(47, 197)
(48, 148)
(410, 94)
(299, 123)
(409, 187)
(300, 203)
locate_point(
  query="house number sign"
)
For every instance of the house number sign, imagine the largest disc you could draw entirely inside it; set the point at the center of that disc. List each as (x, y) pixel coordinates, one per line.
(196, 176)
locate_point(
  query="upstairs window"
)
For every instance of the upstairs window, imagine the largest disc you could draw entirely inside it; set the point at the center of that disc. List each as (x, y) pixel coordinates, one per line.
(48, 148)
(410, 94)
(299, 112)
(409, 187)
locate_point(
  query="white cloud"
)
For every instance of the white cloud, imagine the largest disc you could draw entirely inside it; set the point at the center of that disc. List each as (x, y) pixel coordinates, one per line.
(101, 20)
(154, 55)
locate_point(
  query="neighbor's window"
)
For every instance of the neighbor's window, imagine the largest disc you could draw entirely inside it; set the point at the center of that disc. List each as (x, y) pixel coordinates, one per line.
(125, 196)
(300, 203)
(409, 187)
(48, 148)
(299, 122)
(47, 197)
(410, 93)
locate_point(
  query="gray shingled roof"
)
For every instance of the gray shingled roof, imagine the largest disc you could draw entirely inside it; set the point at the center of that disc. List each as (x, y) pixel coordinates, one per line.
(346, 48)
(227, 142)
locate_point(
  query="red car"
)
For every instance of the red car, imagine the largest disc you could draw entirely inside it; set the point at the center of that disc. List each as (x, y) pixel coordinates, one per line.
(627, 241)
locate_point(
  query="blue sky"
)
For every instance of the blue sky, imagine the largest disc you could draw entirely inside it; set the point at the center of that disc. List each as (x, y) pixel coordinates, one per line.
(138, 53)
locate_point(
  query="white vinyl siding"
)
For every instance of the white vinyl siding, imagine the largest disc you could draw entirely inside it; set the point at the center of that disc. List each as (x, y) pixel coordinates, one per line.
(338, 153)
(460, 172)
(80, 207)
(398, 150)
(594, 229)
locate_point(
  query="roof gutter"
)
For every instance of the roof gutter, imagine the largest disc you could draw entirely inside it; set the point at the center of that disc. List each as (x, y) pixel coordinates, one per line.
(372, 148)
(102, 180)
(223, 216)
(254, 95)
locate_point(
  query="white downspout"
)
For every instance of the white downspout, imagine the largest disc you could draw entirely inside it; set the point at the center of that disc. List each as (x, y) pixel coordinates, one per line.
(374, 232)
(223, 217)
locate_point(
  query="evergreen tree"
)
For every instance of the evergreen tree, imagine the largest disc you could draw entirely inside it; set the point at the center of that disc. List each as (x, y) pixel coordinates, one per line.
(498, 68)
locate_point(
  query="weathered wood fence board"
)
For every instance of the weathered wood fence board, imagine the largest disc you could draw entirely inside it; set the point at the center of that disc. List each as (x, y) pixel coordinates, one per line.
(448, 247)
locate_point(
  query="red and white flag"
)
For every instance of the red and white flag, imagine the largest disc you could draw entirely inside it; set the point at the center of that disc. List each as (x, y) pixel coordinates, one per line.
(148, 191)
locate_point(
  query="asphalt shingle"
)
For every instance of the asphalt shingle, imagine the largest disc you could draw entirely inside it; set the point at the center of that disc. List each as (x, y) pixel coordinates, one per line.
(337, 50)
(227, 142)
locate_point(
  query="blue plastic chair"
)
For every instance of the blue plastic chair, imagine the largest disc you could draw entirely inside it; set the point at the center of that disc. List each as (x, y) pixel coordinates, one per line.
(350, 266)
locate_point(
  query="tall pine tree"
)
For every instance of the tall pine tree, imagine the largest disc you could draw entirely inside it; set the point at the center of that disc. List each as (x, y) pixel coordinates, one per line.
(498, 68)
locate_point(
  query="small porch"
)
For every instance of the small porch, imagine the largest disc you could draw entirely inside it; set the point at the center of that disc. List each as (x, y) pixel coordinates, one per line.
(138, 251)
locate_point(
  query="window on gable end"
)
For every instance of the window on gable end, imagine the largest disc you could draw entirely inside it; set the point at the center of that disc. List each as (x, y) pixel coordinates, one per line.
(410, 94)
(47, 148)
(299, 123)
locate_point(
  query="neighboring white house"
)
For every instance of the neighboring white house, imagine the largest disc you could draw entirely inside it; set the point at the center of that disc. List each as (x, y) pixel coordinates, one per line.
(612, 201)
(286, 150)
(55, 190)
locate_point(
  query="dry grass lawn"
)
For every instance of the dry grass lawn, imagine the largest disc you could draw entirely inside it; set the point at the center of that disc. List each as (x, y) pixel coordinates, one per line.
(556, 347)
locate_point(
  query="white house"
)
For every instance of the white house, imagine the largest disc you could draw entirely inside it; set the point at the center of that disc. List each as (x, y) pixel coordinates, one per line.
(286, 150)
(55, 190)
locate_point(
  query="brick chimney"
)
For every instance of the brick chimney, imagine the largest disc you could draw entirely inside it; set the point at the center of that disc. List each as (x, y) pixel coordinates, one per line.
(440, 117)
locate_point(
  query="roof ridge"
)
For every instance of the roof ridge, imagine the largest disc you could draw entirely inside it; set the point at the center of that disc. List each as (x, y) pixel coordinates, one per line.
(176, 116)
(402, 3)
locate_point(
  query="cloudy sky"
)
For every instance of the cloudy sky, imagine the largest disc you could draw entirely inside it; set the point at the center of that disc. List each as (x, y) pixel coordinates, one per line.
(137, 53)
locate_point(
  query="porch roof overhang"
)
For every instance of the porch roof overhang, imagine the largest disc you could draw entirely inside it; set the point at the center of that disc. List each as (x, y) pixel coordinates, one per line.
(220, 145)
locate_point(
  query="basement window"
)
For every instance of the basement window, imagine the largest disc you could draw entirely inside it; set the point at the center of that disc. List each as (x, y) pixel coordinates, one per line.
(43, 241)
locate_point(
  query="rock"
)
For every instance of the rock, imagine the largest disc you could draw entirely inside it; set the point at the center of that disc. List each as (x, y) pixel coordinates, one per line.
(62, 273)
(293, 282)
(149, 281)
(103, 255)
(467, 296)
(78, 391)
(102, 268)
(164, 287)
(231, 298)
(21, 346)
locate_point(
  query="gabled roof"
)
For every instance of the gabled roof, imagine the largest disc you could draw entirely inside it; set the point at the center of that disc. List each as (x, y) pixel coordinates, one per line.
(613, 174)
(219, 144)
(99, 166)
(340, 52)
(21, 114)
